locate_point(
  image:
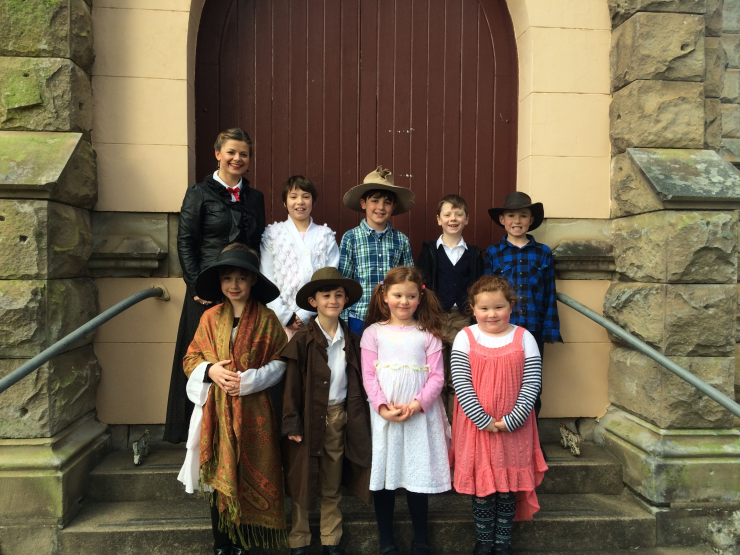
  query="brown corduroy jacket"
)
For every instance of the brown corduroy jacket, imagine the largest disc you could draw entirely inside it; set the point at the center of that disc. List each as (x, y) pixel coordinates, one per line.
(305, 401)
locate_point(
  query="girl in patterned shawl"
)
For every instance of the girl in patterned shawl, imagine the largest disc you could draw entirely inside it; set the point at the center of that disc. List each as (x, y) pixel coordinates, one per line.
(403, 374)
(294, 249)
(232, 449)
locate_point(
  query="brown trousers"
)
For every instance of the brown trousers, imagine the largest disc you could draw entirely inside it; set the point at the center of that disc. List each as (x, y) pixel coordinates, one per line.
(330, 478)
(455, 321)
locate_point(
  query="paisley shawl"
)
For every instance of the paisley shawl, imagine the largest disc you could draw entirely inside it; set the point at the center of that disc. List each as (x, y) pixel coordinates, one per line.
(239, 444)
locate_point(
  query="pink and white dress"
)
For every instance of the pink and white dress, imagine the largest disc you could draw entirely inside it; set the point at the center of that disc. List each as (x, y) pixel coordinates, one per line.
(400, 364)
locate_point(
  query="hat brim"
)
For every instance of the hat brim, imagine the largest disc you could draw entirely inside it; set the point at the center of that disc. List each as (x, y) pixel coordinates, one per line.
(404, 197)
(208, 283)
(537, 209)
(353, 289)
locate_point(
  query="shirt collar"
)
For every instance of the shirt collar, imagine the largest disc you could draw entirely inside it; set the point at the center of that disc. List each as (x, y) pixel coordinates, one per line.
(337, 336)
(221, 181)
(462, 243)
(531, 243)
(291, 222)
(367, 228)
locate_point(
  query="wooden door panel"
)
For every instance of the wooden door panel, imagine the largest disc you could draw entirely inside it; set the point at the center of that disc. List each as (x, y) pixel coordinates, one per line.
(331, 88)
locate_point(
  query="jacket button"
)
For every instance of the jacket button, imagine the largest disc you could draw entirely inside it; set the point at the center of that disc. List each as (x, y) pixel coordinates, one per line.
(326, 383)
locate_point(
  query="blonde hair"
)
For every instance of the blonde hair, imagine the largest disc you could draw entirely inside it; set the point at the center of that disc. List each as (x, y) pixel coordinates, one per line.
(234, 134)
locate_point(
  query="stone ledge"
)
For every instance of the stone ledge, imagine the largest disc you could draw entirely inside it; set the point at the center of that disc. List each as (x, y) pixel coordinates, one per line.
(584, 260)
(672, 466)
(621, 10)
(44, 165)
(44, 479)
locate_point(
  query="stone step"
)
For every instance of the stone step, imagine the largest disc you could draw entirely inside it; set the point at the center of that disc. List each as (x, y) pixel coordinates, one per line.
(117, 479)
(566, 522)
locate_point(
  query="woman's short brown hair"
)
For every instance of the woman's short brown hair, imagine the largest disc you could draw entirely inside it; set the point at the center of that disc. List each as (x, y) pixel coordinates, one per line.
(234, 134)
(302, 184)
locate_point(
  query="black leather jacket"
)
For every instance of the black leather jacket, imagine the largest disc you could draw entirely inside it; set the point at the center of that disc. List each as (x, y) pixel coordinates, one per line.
(209, 221)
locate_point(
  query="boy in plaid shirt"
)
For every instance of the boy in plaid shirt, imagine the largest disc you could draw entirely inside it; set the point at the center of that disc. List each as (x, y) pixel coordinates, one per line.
(369, 250)
(528, 266)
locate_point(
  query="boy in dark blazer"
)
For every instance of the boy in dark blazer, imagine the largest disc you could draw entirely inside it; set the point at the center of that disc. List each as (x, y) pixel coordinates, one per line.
(449, 267)
(326, 416)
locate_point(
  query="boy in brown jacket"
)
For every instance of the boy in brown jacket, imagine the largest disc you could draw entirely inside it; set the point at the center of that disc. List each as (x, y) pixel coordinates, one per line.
(326, 417)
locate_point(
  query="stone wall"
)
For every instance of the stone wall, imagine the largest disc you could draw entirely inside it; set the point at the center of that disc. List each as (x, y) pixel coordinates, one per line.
(674, 235)
(49, 437)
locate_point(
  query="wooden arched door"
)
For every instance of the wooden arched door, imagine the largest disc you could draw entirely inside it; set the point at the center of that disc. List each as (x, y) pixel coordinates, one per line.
(329, 89)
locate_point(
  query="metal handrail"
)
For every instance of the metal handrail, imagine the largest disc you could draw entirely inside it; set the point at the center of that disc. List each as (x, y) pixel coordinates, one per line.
(647, 350)
(61, 345)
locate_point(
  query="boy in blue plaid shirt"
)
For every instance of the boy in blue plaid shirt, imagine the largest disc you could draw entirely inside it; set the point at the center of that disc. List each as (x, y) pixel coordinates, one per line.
(369, 250)
(528, 266)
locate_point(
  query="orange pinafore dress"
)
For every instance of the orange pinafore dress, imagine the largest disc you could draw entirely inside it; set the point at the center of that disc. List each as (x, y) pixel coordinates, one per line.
(486, 462)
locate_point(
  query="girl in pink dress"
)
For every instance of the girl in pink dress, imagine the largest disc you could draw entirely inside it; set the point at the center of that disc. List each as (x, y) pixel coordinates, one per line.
(403, 375)
(496, 456)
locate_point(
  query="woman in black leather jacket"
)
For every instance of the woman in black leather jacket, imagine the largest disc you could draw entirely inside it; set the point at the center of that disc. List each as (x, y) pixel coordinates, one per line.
(223, 209)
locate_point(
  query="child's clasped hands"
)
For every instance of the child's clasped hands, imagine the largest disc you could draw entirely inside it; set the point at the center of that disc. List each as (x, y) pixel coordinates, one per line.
(399, 413)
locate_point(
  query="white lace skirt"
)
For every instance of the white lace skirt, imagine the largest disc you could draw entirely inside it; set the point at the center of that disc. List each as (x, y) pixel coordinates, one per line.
(411, 454)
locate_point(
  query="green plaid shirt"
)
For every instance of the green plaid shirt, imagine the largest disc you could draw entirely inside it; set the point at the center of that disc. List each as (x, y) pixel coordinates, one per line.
(366, 255)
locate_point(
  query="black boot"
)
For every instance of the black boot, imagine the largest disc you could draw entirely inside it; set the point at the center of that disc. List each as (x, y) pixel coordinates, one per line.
(504, 550)
(331, 550)
(389, 550)
(419, 548)
(222, 550)
(299, 550)
(239, 551)
(482, 549)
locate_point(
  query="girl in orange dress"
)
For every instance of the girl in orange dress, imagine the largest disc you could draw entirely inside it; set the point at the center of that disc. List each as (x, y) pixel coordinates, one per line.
(496, 455)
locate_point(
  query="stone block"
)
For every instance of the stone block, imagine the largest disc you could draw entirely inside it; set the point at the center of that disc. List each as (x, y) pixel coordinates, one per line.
(631, 192)
(714, 67)
(643, 387)
(663, 46)
(43, 480)
(34, 314)
(731, 46)
(44, 94)
(676, 247)
(129, 244)
(621, 10)
(583, 260)
(52, 397)
(712, 123)
(731, 121)
(673, 466)
(173, 260)
(657, 114)
(713, 18)
(700, 320)
(53, 166)
(49, 29)
(731, 87)
(43, 240)
(729, 149)
(639, 309)
(731, 17)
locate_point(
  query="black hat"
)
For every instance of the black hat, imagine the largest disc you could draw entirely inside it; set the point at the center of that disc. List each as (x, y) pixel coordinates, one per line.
(208, 283)
(515, 201)
(322, 278)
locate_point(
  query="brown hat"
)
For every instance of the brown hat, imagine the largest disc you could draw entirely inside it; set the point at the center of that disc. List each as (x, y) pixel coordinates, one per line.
(322, 278)
(515, 201)
(380, 179)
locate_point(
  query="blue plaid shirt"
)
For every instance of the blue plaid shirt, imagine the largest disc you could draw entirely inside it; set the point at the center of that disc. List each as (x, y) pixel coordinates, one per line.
(366, 256)
(530, 271)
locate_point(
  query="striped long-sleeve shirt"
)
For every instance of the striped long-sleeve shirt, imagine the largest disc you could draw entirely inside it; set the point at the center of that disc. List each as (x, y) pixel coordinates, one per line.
(462, 379)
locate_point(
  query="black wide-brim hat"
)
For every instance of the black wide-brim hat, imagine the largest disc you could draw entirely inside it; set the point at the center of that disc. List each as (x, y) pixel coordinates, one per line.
(516, 201)
(208, 283)
(322, 278)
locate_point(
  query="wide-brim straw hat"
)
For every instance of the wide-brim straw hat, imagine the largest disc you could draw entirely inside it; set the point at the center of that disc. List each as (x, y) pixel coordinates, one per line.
(208, 283)
(516, 201)
(380, 179)
(322, 278)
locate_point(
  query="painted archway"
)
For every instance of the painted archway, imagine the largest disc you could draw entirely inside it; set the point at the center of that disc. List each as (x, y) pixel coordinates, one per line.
(329, 90)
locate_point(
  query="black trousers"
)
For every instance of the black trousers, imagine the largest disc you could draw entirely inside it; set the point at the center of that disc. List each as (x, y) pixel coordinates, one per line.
(541, 346)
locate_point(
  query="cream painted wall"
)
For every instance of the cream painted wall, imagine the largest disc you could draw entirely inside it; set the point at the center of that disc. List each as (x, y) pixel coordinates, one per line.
(564, 151)
(143, 118)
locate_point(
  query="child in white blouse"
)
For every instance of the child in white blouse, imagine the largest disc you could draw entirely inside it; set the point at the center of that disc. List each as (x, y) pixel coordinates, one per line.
(291, 251)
